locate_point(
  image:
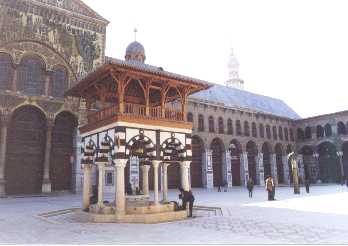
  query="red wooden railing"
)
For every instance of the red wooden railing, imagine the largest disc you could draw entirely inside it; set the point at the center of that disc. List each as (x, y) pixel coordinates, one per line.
(135, 110)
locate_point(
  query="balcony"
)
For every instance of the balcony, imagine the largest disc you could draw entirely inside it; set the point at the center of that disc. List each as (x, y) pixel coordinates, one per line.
(135, 112)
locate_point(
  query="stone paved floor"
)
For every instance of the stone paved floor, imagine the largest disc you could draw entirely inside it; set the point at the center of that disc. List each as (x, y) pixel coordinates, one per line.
(320, 217)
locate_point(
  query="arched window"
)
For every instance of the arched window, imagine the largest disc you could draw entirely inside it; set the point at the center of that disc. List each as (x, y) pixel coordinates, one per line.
(246, 129)
(291, 135)
(280, 132)
(229, 127)
(341, 128)
(308, 132)
(190, 117)
(6, 72)
(200, 123)
(328, 130)
(211, 124)
(300, 134)
(286, 134)
(320, 132)
(262, 130)
(31, 76)
(221, 125)
(274, 130)
(238, 128)
(254, 130)
(268, 131)
(59, 82)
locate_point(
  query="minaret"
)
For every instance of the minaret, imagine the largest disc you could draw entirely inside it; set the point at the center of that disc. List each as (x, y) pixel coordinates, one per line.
(233, 73)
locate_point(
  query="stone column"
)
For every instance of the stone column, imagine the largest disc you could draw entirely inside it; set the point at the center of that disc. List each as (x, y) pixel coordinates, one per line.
(87, 169)
(261, 169)
(208, 179)
(228, 169)
(286, 170)
(165, 182)
(300, 167)
(46, 183)
(274, 168)
(3, 138)
(145, 185)
(184, 170)
(101, 184)
(245, 167)
(120, 198)
(155, 165)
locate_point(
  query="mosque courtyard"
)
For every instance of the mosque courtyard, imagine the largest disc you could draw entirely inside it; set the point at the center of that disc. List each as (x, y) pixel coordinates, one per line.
(318, 217)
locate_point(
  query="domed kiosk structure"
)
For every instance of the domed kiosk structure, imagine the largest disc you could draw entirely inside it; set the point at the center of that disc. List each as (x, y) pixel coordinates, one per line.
(135, 52)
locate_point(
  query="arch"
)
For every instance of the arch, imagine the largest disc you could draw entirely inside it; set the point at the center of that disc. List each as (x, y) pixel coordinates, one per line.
(308, 132)
(341, 128)
(253, 130)
(211, 124)
(268, 131)
(221, 125)
(286, 134)
(274, 132)
(217, 147)
(6, 71)
(236, 150)
(266, 151)
(134, 92)
(300, 134)
(229, 126)
(308, 162)
(329, 169)
(246, 129)
(197, 162)
(262, 130)
(320, 131)
(251, 149)
(142, 147)
(238, 128)
(278, 149)
(62, 152)
(59, 81)
(32, 76)
(345, 159)
(200, 123)
(328, 130)
(25, 151)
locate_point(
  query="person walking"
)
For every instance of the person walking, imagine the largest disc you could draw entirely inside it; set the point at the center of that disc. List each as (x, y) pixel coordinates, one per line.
(186, 197)
(250, 187)
(269, 188)
(307, 183)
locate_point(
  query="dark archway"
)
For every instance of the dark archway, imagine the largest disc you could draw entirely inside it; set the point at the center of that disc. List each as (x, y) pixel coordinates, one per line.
(62, 152)
(236, 151)
(266, 151)
(279, 160)
(345, 159)
(288, 151)
(329, 169)
(217, 147)
(251, 149)
(25, 151)
(308, 159)
(197, 162)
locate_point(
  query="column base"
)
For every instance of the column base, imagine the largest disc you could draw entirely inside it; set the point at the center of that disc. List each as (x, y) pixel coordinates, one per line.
(2, 188)
(46, 186)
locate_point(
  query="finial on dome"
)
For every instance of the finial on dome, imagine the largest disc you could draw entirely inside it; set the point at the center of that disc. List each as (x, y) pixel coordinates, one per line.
(135, 33)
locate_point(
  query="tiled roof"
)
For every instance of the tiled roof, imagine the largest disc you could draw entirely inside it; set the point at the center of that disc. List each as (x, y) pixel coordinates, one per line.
(229, 96)
(243, 99)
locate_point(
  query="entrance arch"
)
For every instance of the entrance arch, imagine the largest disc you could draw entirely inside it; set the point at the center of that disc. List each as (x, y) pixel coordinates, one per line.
(329, 170)
(62, 151)
(197, 163)
(279, 160)
(266, 150)
(236, 150)
(25, 151)
(218, 148)
(308, 163)
(251, 149)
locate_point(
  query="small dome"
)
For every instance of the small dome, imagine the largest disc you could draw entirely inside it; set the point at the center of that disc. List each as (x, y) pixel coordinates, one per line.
(135, 52)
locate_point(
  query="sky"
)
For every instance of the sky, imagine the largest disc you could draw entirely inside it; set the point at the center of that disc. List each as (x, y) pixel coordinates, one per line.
(294, 50)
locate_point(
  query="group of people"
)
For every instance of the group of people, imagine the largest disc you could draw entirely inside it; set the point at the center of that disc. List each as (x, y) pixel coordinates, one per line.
(270, 187)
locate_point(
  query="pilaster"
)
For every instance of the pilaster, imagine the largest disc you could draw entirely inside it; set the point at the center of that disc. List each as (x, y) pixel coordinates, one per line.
(261, 175)
(274, 167)
(5, 118)
(46, 183)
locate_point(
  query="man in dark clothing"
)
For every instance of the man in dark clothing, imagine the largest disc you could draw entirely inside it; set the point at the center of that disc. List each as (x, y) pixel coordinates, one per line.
(250, 187)
(307, 183)
(187, 196)
(94, 198)
(129, 190)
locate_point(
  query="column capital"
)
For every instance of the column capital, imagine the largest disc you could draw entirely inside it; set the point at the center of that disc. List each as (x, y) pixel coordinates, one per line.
(146, 167)
(155, 163)
(86, 166)
(185, 164)
(121, 163)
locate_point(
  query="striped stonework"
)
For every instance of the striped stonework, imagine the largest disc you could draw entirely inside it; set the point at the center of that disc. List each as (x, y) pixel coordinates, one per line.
(188, 147)
(89, 153)
(120, 143)
(105, 153)
(173, 150)
(150, 148)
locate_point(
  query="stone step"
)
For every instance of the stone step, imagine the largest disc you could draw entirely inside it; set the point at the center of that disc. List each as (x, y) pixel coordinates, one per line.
(149, 209)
